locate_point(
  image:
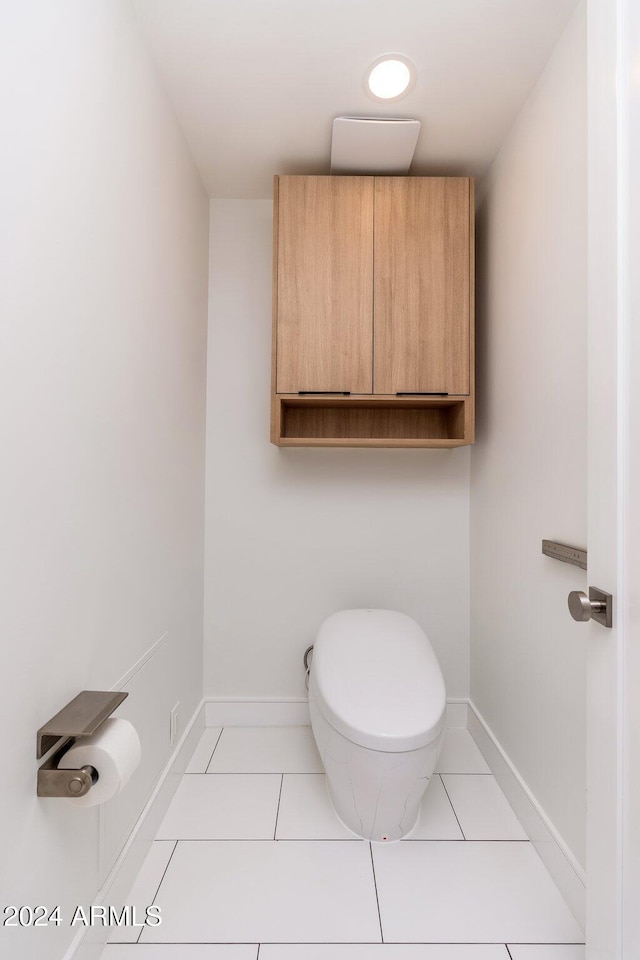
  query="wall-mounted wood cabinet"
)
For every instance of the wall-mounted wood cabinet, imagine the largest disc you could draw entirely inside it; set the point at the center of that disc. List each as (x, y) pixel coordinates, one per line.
(373, 311)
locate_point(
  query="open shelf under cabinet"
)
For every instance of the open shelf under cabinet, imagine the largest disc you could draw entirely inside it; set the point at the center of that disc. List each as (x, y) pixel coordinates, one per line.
(371, 421)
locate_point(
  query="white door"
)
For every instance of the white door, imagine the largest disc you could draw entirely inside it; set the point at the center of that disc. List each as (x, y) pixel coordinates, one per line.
(613, 721)
(630, 599)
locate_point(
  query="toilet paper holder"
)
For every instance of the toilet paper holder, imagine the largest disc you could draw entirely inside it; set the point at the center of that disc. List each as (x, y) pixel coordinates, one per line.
(80, 718)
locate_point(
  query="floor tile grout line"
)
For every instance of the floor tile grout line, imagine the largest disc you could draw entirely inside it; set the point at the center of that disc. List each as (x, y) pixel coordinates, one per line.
(153, 899)
(375, 887)
(458, 773)
(464, 840)
(323, 840)
(287, 840)
(242, 773)
(254, 773)
(214, 749)
(302, 773)
(357, 943)
(452, 806)
(275, 829)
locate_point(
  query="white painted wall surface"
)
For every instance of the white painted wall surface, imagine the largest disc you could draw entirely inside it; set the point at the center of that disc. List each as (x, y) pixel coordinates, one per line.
(528, 468)
(295, 534)
(102, 379)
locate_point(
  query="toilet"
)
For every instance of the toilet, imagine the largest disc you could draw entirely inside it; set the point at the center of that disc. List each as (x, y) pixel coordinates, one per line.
(377, 702)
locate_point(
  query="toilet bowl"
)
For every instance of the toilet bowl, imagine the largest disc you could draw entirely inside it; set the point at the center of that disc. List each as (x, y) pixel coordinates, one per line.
(377, 702)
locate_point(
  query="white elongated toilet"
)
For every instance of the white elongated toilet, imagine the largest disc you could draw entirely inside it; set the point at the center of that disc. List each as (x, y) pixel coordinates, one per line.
(377, 701)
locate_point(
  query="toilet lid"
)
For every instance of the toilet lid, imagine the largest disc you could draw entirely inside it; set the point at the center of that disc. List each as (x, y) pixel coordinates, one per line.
(377, 681)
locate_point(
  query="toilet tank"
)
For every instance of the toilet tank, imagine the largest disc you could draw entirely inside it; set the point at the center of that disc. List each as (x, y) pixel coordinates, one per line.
(377, 681)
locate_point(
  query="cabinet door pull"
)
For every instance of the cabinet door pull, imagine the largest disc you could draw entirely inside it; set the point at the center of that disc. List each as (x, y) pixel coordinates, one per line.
(324, 393)
(422, 393)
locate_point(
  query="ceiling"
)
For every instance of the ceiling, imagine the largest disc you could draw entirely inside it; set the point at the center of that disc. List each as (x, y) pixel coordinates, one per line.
(256, 83)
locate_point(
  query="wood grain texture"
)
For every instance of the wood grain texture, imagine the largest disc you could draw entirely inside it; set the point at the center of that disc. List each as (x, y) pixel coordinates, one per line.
(324, 305)
(422, 284)
(353, 422)
(367, 421)
(470, 407)
(372, 442)
(275, 407)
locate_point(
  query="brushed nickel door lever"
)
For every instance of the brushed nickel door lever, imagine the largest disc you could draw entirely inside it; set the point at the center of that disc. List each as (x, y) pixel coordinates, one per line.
(597, 606)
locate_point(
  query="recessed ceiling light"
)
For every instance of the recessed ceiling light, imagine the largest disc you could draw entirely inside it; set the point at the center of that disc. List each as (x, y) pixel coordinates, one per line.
(389, 78)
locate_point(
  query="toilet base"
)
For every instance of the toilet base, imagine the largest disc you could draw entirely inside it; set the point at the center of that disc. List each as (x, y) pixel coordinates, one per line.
(375, 794)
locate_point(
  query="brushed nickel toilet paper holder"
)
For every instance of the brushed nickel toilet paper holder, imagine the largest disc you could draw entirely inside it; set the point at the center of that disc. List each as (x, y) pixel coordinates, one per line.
(81, 717)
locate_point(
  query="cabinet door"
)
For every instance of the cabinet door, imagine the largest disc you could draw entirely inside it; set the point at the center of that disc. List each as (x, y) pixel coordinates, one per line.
(422, 276)
(324, 306)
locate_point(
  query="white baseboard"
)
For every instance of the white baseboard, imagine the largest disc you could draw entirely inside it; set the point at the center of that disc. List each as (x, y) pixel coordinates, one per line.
(457, 713)
(250, 712)
(90, 941)
(565, 870)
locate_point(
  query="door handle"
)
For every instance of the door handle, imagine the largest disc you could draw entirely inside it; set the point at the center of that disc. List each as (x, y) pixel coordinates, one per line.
(597, 606)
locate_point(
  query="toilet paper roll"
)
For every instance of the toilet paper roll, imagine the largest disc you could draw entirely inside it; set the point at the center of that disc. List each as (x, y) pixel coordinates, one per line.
(113, 750)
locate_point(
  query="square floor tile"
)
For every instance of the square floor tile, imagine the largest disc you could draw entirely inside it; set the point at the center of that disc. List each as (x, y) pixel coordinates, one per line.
(547, 951)
(204, 750)
(385, 951)
(469, 893)
(268, 891)
(460, 753)
(223, 807)
(266, 750)
(181, 951)
(482, 808)
(172, 951)
(306, 812)
(144, 889)
(437, 821)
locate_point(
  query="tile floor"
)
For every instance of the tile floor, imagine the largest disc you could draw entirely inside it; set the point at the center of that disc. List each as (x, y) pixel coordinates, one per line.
(251, 863)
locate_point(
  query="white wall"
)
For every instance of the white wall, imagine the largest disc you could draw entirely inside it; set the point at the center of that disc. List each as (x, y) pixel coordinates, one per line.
(102, 379)
(294, 534)
(528, 468)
